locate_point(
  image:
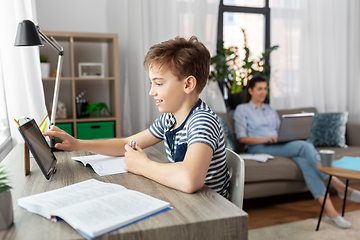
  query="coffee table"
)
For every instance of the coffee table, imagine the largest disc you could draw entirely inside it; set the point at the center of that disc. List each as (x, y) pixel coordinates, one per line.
(337, 172)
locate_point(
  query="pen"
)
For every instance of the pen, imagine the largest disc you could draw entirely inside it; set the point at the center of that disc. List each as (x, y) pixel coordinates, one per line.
(43, 120)
(133, 145)
(43, 129)
(17, 122)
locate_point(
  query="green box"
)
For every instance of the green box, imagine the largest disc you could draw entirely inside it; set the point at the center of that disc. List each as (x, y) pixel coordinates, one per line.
(94, 130)
(67, 127)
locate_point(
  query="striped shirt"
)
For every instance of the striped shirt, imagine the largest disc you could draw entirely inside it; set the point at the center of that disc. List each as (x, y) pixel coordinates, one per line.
(201, 125)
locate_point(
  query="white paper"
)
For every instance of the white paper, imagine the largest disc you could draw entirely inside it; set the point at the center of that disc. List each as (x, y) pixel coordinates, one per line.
(93, 207)
(103, 165)
(261, 157)
(94, 218)
(44, 203)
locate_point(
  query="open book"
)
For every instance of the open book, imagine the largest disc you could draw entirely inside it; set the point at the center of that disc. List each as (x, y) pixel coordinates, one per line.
(103, 165)
(94, 208)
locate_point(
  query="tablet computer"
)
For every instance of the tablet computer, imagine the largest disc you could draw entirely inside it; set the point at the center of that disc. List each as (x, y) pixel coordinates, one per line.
(38, 147)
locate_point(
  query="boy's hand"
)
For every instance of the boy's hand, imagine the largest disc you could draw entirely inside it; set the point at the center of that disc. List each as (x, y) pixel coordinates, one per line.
(69, 143)
(134, 159)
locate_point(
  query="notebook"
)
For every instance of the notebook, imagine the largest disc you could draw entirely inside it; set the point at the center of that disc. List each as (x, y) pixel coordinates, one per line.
(295, 127)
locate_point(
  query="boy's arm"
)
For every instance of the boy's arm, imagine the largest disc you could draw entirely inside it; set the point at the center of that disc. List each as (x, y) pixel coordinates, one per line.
(109, 147)
(187, 176)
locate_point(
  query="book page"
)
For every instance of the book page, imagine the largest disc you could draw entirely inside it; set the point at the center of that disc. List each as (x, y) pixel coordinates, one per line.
(102, 215)
(103, 165)
(46, 202)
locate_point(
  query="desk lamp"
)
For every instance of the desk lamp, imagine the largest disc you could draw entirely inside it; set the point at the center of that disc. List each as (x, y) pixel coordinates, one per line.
(29, 34)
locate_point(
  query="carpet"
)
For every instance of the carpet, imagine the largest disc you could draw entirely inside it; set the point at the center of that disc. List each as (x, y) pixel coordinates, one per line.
(305, 229)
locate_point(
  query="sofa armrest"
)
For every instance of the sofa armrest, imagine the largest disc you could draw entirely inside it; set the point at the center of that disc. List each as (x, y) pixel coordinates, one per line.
(353, 134)
(229, 119)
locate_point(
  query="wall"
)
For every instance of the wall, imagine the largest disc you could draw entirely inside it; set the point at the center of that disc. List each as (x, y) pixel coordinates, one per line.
(72, 16)
(139, 24)
(93, 16)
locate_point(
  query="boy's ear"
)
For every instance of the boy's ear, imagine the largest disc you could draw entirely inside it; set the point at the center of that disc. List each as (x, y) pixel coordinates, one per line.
(190, 84)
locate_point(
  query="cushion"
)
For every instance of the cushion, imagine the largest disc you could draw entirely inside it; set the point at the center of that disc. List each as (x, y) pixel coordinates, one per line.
(231, 143)
(328, 130)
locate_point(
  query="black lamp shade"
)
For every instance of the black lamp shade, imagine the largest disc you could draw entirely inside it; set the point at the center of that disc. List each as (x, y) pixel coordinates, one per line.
(27, 34)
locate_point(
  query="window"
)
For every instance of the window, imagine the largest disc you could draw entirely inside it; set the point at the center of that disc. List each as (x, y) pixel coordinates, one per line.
(245, 3)
(4, 126)
(251, 15)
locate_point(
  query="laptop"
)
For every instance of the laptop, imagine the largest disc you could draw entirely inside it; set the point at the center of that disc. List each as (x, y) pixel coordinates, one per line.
(295, 127)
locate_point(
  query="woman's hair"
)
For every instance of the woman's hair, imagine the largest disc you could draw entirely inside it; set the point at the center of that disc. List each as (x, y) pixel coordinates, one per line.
(251, 84)
(184, 57)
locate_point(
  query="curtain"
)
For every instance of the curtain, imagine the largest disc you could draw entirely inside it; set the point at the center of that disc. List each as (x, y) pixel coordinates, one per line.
(147, 23)
(20, 67)
(317, 63)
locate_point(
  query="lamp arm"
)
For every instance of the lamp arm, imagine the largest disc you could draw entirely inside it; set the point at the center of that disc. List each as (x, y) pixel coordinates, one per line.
(53, 43)
(56, 90)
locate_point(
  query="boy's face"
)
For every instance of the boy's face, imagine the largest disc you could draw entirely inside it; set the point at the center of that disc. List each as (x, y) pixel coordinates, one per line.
(167, 90)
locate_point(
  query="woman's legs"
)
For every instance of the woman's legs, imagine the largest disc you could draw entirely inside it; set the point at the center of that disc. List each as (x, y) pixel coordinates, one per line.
(331, 213)
(340, 186)
(317, 188)
(304, 154)
(329, 208)
(311, 176)
(352, 194)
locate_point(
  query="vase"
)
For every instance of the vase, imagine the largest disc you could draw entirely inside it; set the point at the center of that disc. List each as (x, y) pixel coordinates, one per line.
(236, 99)
(6, 210)
(45, 70)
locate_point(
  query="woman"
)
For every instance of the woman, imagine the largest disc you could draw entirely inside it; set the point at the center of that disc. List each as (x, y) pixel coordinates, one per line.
(256, 123)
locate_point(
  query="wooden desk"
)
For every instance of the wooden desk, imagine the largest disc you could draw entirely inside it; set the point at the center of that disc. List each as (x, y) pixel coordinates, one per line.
(202, 215)
(337, 172)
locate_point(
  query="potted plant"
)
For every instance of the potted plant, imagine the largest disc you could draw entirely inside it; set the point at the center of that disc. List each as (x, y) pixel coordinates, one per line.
(233, 74)
(224, 68)
(45, 66)
(251, 68)
(6, 208)
(98, 108)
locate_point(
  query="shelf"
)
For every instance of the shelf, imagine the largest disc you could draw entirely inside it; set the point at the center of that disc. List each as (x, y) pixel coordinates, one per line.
(53, 78)
(93, 78)
(89, 48)
(96, 119)
(92, 119)
(64, 120)
(79, 78)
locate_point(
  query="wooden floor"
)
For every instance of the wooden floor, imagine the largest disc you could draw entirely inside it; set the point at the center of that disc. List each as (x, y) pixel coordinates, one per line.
(271, 211)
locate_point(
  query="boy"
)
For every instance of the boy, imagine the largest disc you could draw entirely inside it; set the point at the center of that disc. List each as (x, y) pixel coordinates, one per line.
(194, 142)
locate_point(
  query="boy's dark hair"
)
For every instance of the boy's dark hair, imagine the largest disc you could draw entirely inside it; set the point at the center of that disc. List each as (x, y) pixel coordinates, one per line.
(182, 57)
(251, 84)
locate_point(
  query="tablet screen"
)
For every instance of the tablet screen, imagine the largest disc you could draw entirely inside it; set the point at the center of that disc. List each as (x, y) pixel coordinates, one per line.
(38, 146)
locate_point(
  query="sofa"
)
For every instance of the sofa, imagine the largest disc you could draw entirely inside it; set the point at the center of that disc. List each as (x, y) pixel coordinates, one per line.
(281, 175)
